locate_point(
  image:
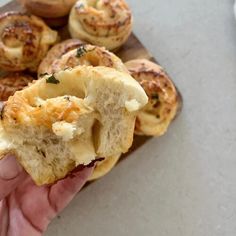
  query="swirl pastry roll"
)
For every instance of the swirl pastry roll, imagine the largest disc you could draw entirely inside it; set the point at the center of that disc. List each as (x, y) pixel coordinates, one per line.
(25, 40)
(67, 119)
(83, 55)
(13, 82)
(105, 23)
(164, 101)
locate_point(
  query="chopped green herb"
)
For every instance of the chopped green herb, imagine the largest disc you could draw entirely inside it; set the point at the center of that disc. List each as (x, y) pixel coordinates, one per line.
(52, 80)
(80, 51)
(42, 75)
(80, 6)
(155, 96)
(67, 98)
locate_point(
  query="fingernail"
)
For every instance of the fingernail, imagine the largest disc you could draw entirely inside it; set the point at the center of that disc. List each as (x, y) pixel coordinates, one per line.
(9, 168)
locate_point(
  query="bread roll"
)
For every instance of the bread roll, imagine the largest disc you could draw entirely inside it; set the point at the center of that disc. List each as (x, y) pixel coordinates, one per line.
(24, 41)
(103, 23)
(83, 55)
(67, 119)
(164, 99)
(48, 8)
(13, 82)
(61, 56)
(55, 53)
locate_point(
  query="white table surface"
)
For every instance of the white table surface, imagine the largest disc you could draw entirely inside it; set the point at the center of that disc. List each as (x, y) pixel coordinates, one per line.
(184, 183)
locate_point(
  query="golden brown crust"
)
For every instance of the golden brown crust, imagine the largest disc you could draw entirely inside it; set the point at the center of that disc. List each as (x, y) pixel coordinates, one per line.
(164, 101)
(86, 54)
(56, 52)
(25, 40)
(48, 8)
(103, 23)
(13, 82)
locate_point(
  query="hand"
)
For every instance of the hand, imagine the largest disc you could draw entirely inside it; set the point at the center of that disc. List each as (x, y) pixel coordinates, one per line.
(26, 209)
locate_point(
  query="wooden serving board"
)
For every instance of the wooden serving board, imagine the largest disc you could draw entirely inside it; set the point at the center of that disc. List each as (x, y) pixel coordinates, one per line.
(132, 49)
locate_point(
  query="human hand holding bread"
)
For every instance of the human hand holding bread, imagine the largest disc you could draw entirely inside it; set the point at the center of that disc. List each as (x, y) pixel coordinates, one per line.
(86, 104)
(26, 209)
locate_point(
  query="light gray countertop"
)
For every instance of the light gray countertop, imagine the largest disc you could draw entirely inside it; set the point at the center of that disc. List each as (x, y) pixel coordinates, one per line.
(184, 183)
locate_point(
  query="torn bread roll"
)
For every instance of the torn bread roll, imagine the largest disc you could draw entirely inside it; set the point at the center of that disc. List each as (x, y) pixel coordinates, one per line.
(48, 8)
(25, 40)
(63, 56)
(83, 55)
(103, 23)
(164, 101)
(69, 118)
(12, 82)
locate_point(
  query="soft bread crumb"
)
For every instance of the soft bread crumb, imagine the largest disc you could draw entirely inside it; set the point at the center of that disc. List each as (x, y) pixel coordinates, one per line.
(39, 101)
(64, 129)
(132, 105)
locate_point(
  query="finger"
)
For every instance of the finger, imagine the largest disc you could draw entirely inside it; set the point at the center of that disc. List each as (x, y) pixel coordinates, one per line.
(47, 201)
(11, 174)
(64, 191)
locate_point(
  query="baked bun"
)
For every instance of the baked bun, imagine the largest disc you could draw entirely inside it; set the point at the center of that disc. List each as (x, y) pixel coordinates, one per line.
(55, 53)
(24, 41)
(163, 98)
(103, 167)
(67, 119)
(103, 23)
(13, 82)
(48, 8)
(83, 55)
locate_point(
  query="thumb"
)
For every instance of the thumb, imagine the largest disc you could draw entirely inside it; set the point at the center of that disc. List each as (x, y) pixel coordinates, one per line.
(11, 174)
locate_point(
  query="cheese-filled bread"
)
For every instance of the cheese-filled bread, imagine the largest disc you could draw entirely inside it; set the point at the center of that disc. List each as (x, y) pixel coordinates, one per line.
(86, 54)
(103, 23)
(25, 40)
(71, 53)
(69, 118)
(164, 100)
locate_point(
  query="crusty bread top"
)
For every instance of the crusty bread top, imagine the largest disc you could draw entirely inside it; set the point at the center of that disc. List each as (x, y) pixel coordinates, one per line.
(55, 53)
(103, 23)
(81, 55)
(25, 40)
(69, 118)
